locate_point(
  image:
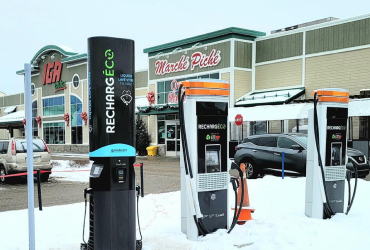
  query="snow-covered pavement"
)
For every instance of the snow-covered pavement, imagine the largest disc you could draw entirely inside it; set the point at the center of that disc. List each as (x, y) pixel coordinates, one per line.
(278, 223)
(61, 170)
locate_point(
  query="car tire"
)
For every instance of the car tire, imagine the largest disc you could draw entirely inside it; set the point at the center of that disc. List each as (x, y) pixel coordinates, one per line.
(45, 177)
(250, 169)
(2, 172)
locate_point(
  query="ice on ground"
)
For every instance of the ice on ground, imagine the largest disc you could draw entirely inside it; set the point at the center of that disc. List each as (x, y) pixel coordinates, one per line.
(279, 222)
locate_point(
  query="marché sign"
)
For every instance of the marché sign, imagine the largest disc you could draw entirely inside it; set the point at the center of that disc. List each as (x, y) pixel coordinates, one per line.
(197, 59)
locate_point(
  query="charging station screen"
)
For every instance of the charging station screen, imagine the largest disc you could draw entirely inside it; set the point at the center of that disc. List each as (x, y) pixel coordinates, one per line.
(336, 154)
(212, 161)
(336, 136)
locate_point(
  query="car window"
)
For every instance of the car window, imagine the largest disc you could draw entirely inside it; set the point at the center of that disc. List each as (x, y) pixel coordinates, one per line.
(252, 140)
(301, 138)
(38, 146)
(4, 147)
(267, 141)
(284, 142)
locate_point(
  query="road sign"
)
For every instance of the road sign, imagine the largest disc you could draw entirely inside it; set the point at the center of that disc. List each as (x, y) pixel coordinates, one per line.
(238, 119)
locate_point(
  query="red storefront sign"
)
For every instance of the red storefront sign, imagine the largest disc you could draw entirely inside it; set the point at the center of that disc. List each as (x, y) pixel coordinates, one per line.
(52, 72)
(172, 96)
(198, 59)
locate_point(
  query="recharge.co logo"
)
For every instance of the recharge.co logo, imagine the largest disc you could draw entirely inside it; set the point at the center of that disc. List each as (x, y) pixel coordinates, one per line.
(336, 127)
(336, 137)
(212, 126)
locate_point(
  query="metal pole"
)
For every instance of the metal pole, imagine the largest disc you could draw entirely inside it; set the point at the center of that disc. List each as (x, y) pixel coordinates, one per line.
(282, 163)
(142, 178)
(31, 202)
(39, 188)
(238, 132)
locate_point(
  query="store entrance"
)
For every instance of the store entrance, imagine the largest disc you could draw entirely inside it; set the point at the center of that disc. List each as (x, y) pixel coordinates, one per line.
(172, 138)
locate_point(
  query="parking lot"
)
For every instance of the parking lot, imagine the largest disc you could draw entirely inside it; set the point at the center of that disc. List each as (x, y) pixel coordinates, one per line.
(161, 174)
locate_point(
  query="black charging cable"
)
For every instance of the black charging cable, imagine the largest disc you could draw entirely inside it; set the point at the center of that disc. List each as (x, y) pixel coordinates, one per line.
(349, 176)
(139, 243)
(84, 245)
(236, 218)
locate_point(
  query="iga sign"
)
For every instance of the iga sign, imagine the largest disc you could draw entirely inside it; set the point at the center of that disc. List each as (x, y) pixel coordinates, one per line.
(198, 59)
(52, 72)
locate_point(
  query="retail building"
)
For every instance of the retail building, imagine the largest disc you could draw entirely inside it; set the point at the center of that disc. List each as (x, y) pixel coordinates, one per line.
(59, 101)
(278, 69)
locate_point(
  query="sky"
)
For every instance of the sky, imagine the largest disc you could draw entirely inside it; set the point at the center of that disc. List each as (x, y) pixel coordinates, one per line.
(27, 26)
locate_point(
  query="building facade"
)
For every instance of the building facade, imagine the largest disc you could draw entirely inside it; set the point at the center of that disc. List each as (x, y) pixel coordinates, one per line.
(59, 101)
(277, 69)
(281, 68)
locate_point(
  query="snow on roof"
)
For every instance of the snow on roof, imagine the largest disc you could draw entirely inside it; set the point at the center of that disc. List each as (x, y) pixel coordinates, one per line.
(10, 109)
(357, 107)
(360, 107)
(13, 117)
(268, 112)
(140, 102)
(277, 96)
(66, 48)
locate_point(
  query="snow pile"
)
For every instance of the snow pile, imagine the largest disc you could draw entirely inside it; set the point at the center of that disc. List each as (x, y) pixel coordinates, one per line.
(278, 223)
(70, 171)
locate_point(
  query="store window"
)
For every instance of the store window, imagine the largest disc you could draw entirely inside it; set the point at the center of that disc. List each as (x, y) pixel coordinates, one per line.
(364, 128)
(54, 133)
(34, 122)
(167, 90)
(53, 106)
(76, 120)
(32, 89)
(76, 81)
(276, 127)
(258, 128)
(161, 126)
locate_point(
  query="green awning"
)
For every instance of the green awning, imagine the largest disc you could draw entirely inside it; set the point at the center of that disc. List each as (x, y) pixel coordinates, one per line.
(160, 109)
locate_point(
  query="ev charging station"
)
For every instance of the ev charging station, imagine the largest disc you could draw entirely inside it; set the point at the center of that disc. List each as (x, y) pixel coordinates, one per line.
(327, 153)
(203, 112)
(112, 144)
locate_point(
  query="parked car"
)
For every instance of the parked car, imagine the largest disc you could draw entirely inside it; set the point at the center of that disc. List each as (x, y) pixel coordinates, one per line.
(13, 157)
(261, 152)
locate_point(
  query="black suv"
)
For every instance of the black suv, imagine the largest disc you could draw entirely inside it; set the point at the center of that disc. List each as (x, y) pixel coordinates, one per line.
(265, 151)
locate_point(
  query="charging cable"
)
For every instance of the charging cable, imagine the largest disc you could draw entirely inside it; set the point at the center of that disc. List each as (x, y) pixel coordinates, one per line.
(139, 243)
(349, 176)
(84, 245)
(234, 182)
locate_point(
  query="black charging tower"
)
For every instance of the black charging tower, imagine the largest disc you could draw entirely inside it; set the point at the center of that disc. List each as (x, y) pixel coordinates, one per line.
(112, 143)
